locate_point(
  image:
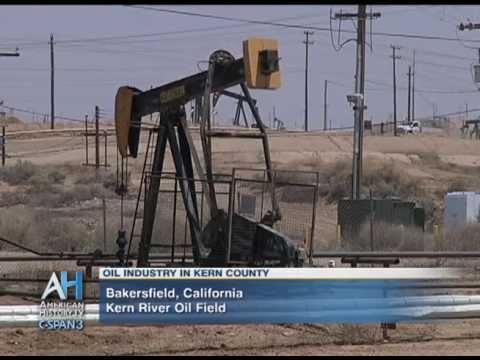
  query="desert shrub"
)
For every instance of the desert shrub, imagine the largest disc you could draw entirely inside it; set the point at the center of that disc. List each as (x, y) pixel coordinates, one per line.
(56, 196)
(107, 179)
(334, 179)
(56, 176)
(44, 232)
(39, 183)
(26, 173)
(297, 194)
(463, 238)
(294, 177)
(12, 198)
(15, 225)
(385, 181)
(434, 160)
(88, 178)
(430, 157)
(388, 237)
(458, 184)
(81, 193)
(64, 234)
(19, 173)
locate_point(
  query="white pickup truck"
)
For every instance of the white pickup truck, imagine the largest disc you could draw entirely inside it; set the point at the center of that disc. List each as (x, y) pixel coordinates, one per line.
(412, 128)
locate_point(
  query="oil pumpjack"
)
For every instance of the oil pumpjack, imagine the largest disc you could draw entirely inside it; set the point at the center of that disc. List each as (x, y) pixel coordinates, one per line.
(228, 238)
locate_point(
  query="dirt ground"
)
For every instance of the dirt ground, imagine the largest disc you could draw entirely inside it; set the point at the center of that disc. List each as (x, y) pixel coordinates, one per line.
(452, 338)
(447, 338)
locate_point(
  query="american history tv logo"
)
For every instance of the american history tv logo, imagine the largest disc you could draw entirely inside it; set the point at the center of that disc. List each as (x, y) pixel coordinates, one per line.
(61, 309)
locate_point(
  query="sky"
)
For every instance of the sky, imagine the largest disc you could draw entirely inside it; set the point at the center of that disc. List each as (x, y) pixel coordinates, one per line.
(163, 47)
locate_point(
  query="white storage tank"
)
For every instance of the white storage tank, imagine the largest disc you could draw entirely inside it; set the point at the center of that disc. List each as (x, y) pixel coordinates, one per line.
(461, 208)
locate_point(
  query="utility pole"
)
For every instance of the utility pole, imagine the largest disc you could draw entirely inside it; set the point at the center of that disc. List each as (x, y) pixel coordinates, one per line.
(325, 106)
(307, 43)
(413, 88)
(97, 137)
(409, 91)
(394, 57)
(6, 54)
(52, 85)
(86, 140)
(274, 124)
(470, 26)
(3, 140)
(359, 104)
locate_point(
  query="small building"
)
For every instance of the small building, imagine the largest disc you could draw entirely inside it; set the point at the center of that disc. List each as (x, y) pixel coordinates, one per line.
(353, 214)
(461, 208)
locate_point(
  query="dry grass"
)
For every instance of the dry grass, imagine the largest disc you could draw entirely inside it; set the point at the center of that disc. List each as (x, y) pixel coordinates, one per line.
(384, 179)
(466, 238)
(47, 186)
(44, 231)
(58, 208)
(41, 231)
(459, 184)
(107, 178)
(388, 237)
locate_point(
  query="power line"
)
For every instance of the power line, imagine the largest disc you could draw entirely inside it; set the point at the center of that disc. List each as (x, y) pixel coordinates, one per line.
(452, 113)
(427, 91)
(163, 50)
(135, 37)
(410, 8)
(296, 26)
(40, 113)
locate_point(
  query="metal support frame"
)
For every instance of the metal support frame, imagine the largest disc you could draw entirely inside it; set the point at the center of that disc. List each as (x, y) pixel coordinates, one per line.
(171, 130)
(276, 213)
(96, 134)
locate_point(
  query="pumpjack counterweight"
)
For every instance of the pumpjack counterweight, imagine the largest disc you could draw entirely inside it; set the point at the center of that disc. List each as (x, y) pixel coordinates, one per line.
(227, 237)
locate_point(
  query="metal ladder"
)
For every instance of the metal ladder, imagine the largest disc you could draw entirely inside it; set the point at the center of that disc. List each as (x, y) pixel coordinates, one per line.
(136, 231)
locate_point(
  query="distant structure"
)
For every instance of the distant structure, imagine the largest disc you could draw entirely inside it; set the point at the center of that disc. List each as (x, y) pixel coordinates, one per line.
(461, 208)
